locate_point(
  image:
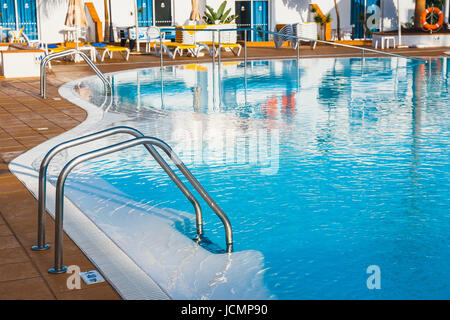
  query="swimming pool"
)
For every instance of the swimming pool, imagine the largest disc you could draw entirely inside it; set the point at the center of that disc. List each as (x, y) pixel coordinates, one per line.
(323, 170)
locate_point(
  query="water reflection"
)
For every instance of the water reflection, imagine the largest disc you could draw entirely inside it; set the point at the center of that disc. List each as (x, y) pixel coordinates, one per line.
(363, 165)
(364, 95)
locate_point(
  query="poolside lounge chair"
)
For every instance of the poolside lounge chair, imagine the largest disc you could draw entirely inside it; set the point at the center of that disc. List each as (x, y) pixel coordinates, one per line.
(304, 30)
(52, 48)
(15, 36)
(235, 48)
(56, 48)
(228, 42)
(150, 37)
(184, 40)
(104, 49)
(18, 36)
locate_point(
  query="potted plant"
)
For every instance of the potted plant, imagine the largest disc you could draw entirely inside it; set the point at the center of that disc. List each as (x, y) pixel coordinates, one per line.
(220, 16)
(321, 21)
(221, 19)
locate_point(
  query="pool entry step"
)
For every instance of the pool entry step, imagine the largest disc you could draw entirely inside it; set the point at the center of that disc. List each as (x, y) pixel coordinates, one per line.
(139, 139)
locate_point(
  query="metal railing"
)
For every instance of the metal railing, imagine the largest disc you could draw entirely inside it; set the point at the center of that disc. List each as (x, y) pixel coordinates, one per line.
(64, 53)
(42, 193)
(149, 144)
(295, 38)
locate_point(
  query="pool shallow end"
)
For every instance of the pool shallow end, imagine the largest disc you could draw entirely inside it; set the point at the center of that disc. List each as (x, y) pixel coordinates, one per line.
(229, 275)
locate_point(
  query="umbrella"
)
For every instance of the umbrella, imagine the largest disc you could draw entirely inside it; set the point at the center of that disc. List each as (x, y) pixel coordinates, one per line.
(195, 14)
(76, 17)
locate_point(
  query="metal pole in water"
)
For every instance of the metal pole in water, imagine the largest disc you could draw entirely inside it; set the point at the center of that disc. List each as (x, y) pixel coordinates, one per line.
(245, 47)
(220, 51)
(214, 50)
(245, 65)
(214, 67)
(363, 60)
(160, 49)
(298, 64)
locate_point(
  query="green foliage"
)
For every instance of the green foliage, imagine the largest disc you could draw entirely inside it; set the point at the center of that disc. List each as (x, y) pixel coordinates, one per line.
(221, 16)
(318, 19)
(436, 3)
(409, 25)
(322, 20)
(327, 18)
(260, 32)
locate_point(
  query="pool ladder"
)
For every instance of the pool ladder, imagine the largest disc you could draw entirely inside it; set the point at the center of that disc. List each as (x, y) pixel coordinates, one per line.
(139, 139)
(46, 60)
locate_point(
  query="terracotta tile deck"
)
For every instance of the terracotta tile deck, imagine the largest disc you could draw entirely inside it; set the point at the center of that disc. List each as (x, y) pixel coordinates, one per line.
(26, 120)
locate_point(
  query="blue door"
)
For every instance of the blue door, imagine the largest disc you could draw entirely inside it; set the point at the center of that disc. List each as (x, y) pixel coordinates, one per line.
(8, 18)
(260, 20)
(27, 18)
(357, 17)
(145, 13)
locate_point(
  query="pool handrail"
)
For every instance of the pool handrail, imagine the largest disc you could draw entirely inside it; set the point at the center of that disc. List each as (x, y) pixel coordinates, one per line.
(150, 141)
(298, 38)
(68, 52)
(42, 192)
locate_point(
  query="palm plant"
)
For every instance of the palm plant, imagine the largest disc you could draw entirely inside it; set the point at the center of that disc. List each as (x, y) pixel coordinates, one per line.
(321, 20)
(221, 16)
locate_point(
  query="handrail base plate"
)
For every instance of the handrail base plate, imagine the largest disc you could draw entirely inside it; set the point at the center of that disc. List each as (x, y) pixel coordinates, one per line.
(54, 271)
(37, 248)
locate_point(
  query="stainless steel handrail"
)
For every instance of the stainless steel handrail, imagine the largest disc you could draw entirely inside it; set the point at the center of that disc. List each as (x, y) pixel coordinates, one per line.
(297, 38)
(64, 53)
(150, 141)
(347, 46)
(320, 41)
(42, 193)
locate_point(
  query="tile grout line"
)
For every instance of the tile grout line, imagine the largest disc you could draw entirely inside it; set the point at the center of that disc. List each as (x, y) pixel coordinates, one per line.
(29, 257)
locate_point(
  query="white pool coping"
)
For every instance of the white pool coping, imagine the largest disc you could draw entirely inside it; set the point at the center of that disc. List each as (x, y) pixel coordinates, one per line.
(128, 279)
(238, 275)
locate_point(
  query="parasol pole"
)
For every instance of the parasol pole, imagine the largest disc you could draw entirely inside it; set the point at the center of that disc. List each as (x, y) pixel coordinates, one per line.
(111, 30)
(447, 12)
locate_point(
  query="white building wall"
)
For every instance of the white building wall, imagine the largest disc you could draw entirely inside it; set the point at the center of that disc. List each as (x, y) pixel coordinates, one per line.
(295, 11)
(390, 16)
(52, 13)
(182, 10)
(123, 13)
(288, 11)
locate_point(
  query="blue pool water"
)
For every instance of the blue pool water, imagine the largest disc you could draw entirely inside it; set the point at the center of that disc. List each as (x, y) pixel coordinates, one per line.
(325, 169)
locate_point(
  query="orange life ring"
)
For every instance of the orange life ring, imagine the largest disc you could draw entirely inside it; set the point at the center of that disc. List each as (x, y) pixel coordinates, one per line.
(423, 18)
